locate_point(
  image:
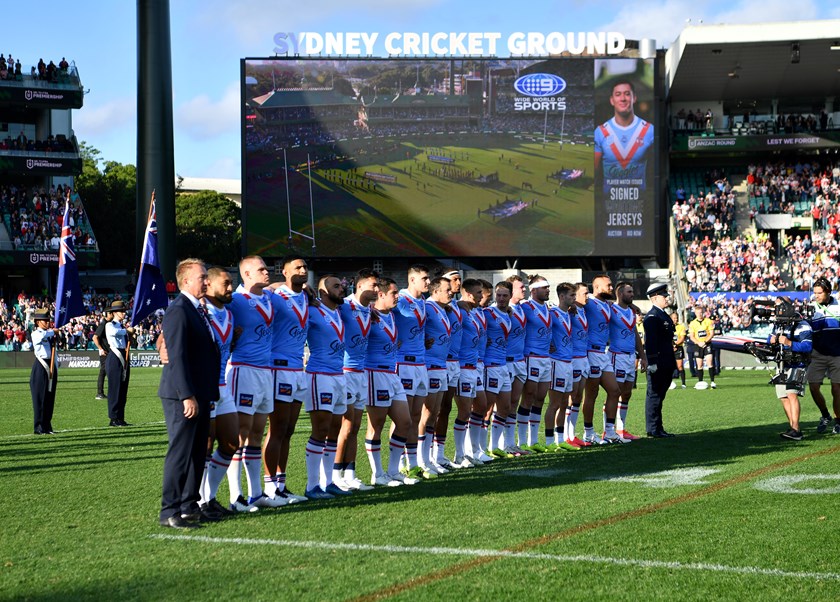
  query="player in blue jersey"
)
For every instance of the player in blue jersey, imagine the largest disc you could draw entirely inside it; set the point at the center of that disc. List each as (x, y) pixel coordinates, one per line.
(250, 380)
(562, 381)
(326, 401)
(386, 394)
(438, 337)
(623, 145)
(625, 346)
(516, 367)
(479, 420)
(601, 373)
(471, 334)
(224, 420)
(410, 315)
(496, 374)
(538, 364)
(453, 370)
(580, 364)
(291, 302)
(356, 315)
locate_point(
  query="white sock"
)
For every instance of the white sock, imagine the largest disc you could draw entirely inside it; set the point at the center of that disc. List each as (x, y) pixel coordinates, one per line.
(372, 449)
(421, 450)
(475, 435)
(216, 469)
(327, 463)
(622, 416)
(396, 446)
(510, 430)
(549, 437)
(497, 429)
(234, 475)
(460, 433)
(427, 446)
(350, 472)
(252, 459)
(314, 457)
(571, 426)
(411, 455)
(523, 417)
(440, 448)
(534, 425)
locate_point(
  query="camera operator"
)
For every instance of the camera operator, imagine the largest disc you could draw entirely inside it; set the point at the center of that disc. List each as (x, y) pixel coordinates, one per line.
(825, 358)
(793, 335)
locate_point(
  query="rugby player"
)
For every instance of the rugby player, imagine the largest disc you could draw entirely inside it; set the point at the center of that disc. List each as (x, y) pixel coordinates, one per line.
(496, 375)
(517, 368)
(561, 353)
(538, 364)
(453, 371)
(356, 315)
(580, 364)
(478, 425)
(471, 334)
(410, 315)
(625, 346)
(386, 394)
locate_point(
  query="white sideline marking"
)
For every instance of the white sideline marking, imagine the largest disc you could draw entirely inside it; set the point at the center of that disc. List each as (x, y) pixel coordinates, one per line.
(320, 545)
(787, 484)
(79, 430)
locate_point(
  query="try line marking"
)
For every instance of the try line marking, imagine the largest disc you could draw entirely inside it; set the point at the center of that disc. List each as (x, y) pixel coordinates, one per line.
(659, 564)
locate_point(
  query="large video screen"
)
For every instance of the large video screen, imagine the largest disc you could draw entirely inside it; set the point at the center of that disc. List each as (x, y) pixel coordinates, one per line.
(448, 157)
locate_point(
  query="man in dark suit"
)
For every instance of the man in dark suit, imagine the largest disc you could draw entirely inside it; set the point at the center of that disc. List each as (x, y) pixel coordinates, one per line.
(187, 386)
(659, 347)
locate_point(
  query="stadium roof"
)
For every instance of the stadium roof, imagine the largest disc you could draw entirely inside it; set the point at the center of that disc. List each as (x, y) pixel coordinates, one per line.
(301, 98)
(736, 62)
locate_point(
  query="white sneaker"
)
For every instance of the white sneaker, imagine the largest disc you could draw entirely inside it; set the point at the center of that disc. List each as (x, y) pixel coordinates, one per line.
(385, 480)
(445, 463)
(614, 438)
(713, 385)
(341, 484)
(593, 439)
(440, 468)
(356, 485)
(462, 462)
(683, 386)
(672, 386)
(269, 502)
(473, 460)
(402, 479)
(240, 505)
(484, 458)
(293, 499)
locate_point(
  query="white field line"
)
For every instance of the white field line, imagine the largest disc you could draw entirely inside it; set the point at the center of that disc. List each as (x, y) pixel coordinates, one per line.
(80, 430)
(660, 564)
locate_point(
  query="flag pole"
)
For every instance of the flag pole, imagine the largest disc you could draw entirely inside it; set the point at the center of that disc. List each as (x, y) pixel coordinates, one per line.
(145, 233)
(52, 363)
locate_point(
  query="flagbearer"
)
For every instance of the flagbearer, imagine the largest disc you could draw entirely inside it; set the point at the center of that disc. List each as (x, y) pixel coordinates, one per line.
(44, 375)
(117, 364)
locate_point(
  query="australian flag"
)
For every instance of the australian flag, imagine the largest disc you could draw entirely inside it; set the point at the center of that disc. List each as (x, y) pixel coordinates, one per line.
(68, 298)
(150, 294)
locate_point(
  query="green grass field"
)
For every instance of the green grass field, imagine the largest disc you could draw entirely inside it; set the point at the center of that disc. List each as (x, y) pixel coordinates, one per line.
(424, 213)
(724, 511)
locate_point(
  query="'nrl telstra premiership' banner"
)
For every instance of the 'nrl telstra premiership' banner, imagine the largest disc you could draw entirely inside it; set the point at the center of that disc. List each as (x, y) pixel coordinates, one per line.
(488, 157)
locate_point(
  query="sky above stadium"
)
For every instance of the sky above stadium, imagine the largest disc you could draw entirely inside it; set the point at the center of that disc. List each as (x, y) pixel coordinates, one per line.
(209, 37)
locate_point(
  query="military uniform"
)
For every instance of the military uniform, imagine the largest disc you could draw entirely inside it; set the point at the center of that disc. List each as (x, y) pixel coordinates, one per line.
(659, 348)
(44, 375)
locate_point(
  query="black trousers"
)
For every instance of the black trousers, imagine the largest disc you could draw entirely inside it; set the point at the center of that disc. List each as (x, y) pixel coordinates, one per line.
(657, 388)
(117, 387)
(183, 466)
(43, 400)
(100, 381)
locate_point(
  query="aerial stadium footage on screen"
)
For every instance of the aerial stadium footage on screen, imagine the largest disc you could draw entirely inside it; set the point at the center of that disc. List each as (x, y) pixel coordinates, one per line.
(448, 157)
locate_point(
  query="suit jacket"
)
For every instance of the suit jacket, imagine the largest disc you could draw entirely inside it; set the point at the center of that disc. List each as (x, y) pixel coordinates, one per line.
(659, 339)
(193, 368)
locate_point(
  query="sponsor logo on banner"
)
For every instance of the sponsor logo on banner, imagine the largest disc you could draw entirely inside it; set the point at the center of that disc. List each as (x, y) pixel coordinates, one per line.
(36, 258)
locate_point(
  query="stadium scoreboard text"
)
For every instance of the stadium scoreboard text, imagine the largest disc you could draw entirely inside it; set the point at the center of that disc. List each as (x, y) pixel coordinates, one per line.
(456, 157)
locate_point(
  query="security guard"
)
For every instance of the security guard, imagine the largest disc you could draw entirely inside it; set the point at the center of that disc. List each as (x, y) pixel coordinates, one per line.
(659, 347)
(117, 363)
(44, 375)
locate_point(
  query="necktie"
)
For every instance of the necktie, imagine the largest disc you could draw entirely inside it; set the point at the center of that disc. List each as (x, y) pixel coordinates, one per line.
(202, 310)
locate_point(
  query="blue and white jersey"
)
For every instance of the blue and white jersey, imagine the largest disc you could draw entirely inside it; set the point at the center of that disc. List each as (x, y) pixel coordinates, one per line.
(482, 341)
(622, 329)
(498, 329)
(516, 338)
(470, 339)
(598, 314)
(439, 328)
(290, 324)
(221, 323)
(382, 344)
(456, 319)
(255, 315)
(800, 335)
(561, 335)
(356, 318)
(825, 324)
(325, 337)
(537, 328)
(580, 333)
(410, 315)
(624, 153)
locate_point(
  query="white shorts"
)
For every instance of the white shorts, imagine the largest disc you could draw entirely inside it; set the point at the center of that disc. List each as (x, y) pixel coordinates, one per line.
(251, 389)
(357, 389)
(225, 404)
(580, 368)
(624, 366)
(467, 383)
(438, 380)
(414, 378)
(496, 379)
(383, 388)
(599, 361)
(327, 393)
(538, 369)
(453, 373)
(479, 381)
(518, 370)
(561, 376)
(289, 385)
